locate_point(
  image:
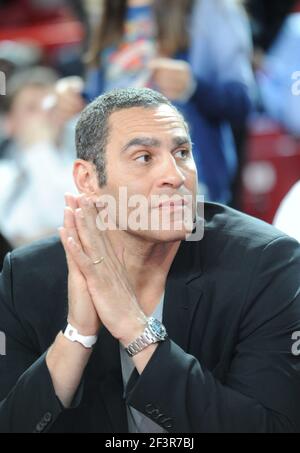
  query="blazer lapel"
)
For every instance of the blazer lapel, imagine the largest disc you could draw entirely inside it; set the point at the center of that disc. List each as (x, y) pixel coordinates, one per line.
(183, 294)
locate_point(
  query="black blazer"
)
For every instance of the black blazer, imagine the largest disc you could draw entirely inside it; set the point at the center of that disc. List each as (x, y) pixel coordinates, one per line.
(232, 304)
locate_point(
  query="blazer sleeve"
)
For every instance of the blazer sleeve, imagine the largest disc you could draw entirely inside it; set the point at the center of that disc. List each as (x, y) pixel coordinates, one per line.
(28, 402)
(261, 392)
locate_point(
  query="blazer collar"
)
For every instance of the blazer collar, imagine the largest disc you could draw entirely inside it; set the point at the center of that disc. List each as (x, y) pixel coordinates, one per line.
(183, 293)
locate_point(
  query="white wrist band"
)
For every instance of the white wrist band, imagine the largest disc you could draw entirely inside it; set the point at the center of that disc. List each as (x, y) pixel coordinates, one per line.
(72, 334)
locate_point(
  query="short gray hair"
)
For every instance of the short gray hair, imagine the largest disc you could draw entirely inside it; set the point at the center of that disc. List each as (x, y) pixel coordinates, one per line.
(92, 131)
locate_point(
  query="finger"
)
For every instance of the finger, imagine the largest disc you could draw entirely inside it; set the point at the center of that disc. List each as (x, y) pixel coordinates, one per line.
(91, 219)
(72, 266)
(70, 223)
(103, 211)
(70, 212)
(90, 214)
(116, 254)
(99, 237)
(120, 254)
(98, 241)
(93, 246)
(74, 263)
(83, 262)
(69, 229)
(71, 201)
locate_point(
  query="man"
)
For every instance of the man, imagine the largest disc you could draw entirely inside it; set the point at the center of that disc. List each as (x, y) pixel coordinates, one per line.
(83, 355)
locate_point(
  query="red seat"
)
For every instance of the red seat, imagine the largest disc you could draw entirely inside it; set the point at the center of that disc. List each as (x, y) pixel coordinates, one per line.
(48, 36)
(18, 13)
(50, 27)
(272, 168)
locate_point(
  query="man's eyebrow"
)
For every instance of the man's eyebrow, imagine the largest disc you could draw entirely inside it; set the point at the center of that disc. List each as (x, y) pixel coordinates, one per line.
(142, 141)
(180, 141)
(150, 142)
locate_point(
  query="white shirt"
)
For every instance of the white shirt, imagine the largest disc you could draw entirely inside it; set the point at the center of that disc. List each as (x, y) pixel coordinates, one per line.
(288, 216)
(137, 422)
(32, 188)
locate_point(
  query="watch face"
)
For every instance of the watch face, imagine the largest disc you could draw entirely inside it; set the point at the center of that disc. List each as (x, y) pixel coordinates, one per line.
(157, 328)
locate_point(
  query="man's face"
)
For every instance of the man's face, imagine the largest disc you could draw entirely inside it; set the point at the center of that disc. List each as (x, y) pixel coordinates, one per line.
(149, 155)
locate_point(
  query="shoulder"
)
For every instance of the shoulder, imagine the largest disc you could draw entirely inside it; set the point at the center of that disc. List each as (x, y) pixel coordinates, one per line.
(238, 226)
(237, 236)
(33, 291)
(38, 275)
(42, 254)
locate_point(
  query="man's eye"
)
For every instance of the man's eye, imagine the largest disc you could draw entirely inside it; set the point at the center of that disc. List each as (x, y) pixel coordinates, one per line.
(144, 159)
(182, 154)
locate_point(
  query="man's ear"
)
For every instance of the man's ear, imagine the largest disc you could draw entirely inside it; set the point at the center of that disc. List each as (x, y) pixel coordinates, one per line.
(85, 177)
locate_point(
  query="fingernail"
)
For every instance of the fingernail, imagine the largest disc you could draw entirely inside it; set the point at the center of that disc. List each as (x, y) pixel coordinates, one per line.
(71, 241)
(79, 213)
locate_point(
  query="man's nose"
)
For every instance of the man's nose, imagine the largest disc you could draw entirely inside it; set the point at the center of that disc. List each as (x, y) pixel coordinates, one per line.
(170, 174)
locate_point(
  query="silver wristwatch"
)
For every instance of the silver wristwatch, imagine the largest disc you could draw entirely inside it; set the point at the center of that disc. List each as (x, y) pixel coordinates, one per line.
(154, 332)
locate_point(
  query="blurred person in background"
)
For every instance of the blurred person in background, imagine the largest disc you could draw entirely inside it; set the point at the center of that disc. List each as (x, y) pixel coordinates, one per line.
(15, 56)
(278, 61)
(197, 53)
(37, 169)
(287, 218)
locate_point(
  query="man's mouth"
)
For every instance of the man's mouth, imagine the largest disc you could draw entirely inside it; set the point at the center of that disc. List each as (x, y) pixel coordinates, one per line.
(174, 204)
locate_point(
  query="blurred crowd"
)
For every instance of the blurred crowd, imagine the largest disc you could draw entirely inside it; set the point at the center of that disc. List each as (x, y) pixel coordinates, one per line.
(232, 68)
